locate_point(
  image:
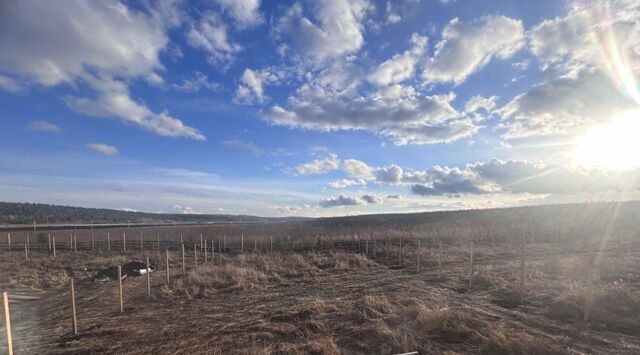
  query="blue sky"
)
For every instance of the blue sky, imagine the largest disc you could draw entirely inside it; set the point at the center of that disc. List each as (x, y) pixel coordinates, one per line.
(318, 108)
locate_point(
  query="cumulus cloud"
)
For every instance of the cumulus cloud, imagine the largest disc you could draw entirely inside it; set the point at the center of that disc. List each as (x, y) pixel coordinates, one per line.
(252, 82)
(356, 168)
(245, 13)
(401, 66)
(373, 199)
(467, 47)
(341, 200)
(480, 103)
(334, 29)
(240, 145)
(124, 45)
(577, 52)
(209, 33)
(196, 82)
(342, 183)
(43, 126)
(184, 209)
(103, 148)
(317, 166)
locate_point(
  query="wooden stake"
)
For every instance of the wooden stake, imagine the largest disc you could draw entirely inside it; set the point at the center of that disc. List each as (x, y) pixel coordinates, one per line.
(9, 240)
(471, 265)
(195, 255)
(242, 243)
(184, 268)
(167, 265)
(49, 240)
(53, 246)
(522, 274)
(158, 243)
(26, 251)
(386, 253)
(201, 242)
(205, 251)
(108, 241)
(75, 243)
(440, 259)
(93, 239)
(400, 252)
(366, 248)
(7, 322)
(213, 249)
(120, 288)
(255, 244)
(141, 243)
(270, 243)
(74, 321)
(418, 257)
(71, 241)
(374, 248)
(148, 279)
(124, 241)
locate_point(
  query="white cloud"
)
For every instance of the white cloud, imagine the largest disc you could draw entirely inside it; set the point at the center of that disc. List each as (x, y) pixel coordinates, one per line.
(445, 132)
(252, 82)
(240, 145)
(124, 45)
(210, 35)
(10, 85)
(184, 209)
(356, 168)
(342, 183)
(341, 200)
(43, 126)
(337, 29)
(479, 102)
(196, 82)
(317, 166)
(103, 148)
(372, 199)
(467, 47)
(401, 66)
(391, 14)
(245, 13)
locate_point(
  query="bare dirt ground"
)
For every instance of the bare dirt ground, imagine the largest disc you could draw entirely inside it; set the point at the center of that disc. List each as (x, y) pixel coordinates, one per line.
(332, 302)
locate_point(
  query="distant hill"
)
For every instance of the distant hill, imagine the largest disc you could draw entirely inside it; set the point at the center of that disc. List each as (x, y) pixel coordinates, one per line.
(27, 213)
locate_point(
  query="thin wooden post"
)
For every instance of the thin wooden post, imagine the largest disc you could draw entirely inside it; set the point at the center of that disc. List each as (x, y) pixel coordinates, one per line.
(374, 248)
(26, 251)
(49, 240)
(386, 253)
(148, 279)
(181, 241)
(120, 288)
(219, 244)
(213, 249)
(205, 251)
(167, 264)
(195, 255)
(224, 242)
(242, 243)
(184, 268)
(440, 259)
(53, 246)
(522, 273)
(74, 320)
(255, 244)
(108, 241)
(93, 239)
(141, 243)
(9, 240)
(71, 241)
(75, 243)
(124, 241)
(201, 242)
(7, 322)
(28, 242)
(471, 265)
(418, 256)
(366, 248)
(158, 243)
(401, 252)
(270, 243)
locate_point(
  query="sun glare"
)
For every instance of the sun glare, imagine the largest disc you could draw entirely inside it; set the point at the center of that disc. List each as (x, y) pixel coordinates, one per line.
(614, 145)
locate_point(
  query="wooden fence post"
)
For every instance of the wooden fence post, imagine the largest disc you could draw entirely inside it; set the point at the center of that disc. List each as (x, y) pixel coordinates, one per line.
(255, 244)
(148, 279)
(213, 249)
(74, 321)
(49, 240)
(141, 243)
(242, 243)
(26, 251)
(205, 251)
(9, 240)
(120, 288)
(374, 248)
(418, 256)
(53, 246)
(167, 264)
(201, 242)
(28, 242)
(184, 268)
(93, 239)
(75, 243)
(471, 265)
(70, 241)
(108, 241)
(224, 242)
(386, 253)
(158, 243)
(195, 255)
(7, 322)
(440, 260)
(522, 274)
(400, 252)
(124, 241)
(366, 248)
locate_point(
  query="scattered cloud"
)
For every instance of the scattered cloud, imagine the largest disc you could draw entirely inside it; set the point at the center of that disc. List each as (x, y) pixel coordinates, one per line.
(317, 166)
(341, 200)
(245, 13)
(480, 103)
(246, 146)
(373, 199)
(342, 183)
(43, 126)
(401, 66)
(252, 82)
(184, 209)
(356, 168)
(196, 82)
(103, 148)
(209, 33)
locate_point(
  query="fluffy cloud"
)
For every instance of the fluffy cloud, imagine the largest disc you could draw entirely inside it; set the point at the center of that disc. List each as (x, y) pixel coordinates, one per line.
(196, 82)
(317, 166)
(342, 183)
(240, 145)
(252, 82)
(373, 199)
(124, 45)
(341, 200)
(356, 168)
(103, 148)
(210, 35)
(401, 66)
(445, 132)
(245, 13)
(480, 103)
(184, 209)
(337, 29)
(43, 126)
(467, 47)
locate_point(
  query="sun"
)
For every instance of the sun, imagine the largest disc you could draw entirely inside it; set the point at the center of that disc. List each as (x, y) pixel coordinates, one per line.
(614, 145)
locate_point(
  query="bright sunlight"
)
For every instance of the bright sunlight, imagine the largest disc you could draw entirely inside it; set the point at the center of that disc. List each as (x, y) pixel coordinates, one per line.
(614, 145)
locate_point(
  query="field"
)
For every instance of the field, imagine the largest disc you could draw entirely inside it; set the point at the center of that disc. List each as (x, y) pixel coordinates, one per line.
(431, 290)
